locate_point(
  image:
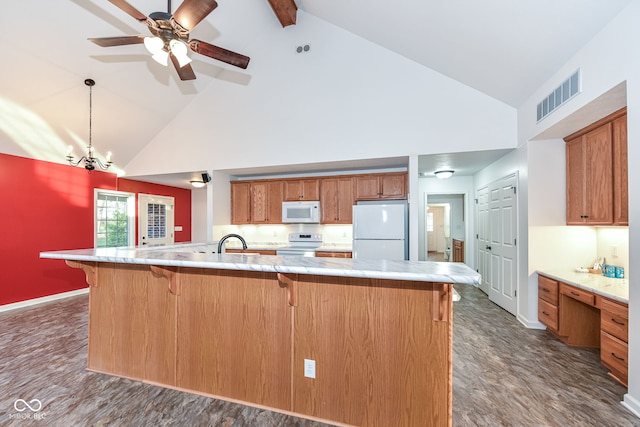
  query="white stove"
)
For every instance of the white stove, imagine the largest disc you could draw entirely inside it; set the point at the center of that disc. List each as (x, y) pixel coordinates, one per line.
(301, 244)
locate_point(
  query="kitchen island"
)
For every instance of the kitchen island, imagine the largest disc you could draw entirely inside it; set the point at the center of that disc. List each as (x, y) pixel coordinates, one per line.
(351, 342)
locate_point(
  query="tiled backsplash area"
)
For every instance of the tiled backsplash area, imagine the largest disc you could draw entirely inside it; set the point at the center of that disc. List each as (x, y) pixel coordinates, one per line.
(279, 234)
(565, 247)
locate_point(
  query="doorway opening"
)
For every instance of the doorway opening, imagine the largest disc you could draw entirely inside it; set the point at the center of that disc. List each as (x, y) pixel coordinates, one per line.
(438, 228)
(444, 227)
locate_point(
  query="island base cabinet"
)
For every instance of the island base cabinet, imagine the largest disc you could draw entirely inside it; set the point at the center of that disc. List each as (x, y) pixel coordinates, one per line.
(234, 336)
(132, 324)
(380, 358)
(382, 349)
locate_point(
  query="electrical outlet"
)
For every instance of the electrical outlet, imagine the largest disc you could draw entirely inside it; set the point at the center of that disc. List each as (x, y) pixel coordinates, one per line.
(614, 250)
(309, 368)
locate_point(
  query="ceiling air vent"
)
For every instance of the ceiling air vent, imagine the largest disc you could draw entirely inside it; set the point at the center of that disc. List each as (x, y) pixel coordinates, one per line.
(563, 93)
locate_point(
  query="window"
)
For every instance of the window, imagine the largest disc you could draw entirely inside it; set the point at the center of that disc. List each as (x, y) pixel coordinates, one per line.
(156, 220)
(114, 219)
(429, 221)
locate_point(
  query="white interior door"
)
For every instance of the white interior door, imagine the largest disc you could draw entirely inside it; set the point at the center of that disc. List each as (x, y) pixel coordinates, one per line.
(155, 220)
(482, 237)
(501, 249)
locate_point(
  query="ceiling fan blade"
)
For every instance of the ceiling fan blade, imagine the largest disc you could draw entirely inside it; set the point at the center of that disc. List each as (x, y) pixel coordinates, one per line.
(132, 11)
(185, 72)
(215, 52)
(191, 12)
(117, 41)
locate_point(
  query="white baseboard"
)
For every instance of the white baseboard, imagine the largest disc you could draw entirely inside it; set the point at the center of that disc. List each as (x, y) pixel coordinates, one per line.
(631, 404)
(42, 300)
(530, 324)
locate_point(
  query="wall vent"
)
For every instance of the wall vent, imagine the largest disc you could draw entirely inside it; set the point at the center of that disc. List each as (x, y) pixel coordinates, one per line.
(563, 93)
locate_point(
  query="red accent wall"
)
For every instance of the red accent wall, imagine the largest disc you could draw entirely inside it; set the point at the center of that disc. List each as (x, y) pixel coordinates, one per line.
(49, 206)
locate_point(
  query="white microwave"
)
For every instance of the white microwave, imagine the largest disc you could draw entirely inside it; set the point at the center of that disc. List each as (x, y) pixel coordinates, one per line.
(301, 212)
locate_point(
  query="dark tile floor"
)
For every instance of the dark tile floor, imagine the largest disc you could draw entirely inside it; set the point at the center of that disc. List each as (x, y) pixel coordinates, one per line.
(504, 375)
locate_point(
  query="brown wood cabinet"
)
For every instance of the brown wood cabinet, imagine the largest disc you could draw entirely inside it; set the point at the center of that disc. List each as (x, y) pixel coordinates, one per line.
(597, 190)
(240, 203)
(333, 254)
(548, 302)
(251, 251)
(381, 186)
(458, 250)
(614, 338)
(581, 318)
(620, 172)
(301, 189)
(336, 200)
(245, 335)
(260, 201)
(256, 202)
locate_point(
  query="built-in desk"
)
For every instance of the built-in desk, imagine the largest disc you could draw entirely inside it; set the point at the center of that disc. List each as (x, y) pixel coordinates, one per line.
(584, 316)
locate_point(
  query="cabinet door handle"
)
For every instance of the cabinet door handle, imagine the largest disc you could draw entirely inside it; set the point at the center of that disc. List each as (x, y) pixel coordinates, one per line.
(616, 322)
(545, 313)
(617, 357)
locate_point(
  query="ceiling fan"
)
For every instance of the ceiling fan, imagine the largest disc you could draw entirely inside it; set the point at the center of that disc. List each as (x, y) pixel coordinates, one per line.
(170, 36)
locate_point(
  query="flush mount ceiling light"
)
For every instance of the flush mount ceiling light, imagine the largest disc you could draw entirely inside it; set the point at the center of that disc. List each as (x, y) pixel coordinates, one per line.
(197, 184)
(443, 174)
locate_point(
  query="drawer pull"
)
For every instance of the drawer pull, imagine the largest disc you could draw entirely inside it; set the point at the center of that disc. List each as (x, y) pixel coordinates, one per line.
(575, 293)
(545, 313)
(616, 322)
(546, 290)
(619, 358)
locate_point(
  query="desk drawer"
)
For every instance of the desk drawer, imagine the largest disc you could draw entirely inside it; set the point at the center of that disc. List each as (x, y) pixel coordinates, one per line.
(614, 319)
(548, 314)
(548, 289)
(614, 353)
(578, 294)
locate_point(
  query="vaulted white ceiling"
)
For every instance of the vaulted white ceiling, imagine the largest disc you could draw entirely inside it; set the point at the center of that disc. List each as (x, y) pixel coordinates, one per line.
(505, 49)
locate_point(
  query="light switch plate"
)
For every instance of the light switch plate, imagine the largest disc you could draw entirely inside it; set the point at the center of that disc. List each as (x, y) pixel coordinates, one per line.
(309, 368)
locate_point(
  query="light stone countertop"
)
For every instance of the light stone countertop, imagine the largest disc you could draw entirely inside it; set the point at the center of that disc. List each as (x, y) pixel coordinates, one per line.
(616, 289)
(200, 256)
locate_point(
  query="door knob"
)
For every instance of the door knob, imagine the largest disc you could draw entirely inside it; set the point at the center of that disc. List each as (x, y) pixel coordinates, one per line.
(488, 248)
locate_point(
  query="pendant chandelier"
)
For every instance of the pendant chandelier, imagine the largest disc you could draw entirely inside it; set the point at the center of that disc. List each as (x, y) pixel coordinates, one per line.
(90, 161)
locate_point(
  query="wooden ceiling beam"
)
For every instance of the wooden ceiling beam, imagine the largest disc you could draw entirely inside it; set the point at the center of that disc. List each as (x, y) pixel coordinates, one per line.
(285, 10)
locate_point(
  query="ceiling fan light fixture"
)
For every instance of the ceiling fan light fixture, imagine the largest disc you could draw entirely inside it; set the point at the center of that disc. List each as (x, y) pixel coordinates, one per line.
(153, 44)
(179, 50)
(444, 174)
(161, 58)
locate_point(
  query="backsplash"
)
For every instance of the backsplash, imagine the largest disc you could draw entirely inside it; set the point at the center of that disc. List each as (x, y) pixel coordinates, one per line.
(567, 247)
(279, 233)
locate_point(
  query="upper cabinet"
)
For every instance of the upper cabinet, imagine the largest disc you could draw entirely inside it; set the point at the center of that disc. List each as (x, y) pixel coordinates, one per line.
(260, 201)
(301, 189)
(381, 186)
(256, 202)
(620, 172)
(336, 200)
(597, 173)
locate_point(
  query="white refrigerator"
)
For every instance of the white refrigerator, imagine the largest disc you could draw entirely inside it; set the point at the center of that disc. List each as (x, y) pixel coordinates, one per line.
(379, 231)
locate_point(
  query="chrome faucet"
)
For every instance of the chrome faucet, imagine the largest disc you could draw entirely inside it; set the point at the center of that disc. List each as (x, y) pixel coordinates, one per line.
(221, 242)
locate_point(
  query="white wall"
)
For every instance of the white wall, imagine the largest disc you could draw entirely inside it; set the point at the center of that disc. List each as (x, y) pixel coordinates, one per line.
(605, 62)
(345, 99)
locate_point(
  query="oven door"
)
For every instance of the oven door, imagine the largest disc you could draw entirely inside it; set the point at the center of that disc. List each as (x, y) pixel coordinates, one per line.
(296, 252)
